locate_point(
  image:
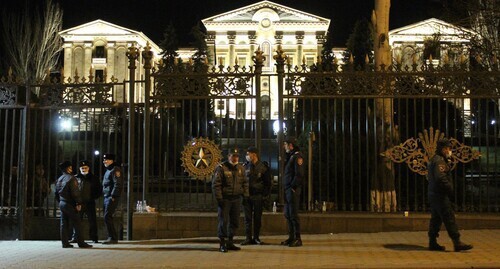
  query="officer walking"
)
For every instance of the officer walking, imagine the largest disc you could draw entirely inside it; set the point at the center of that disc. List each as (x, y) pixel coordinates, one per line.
(112, 185)
(293, 177)
(440, 189)
(259, 179)
(91, 189)
(68, 196)
(228, 185)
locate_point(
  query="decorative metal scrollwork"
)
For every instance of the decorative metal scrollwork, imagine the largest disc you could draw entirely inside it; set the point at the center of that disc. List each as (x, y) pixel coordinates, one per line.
(8, 96)
(417, 158)
(98, 94)
(200, 157)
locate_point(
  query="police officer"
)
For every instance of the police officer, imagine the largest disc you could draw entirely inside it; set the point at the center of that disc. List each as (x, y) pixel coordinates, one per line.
(259, 179)
(91, 189)
(68, 196)
(112, 185)
(440, 189)
(293, 177)
(229, 184)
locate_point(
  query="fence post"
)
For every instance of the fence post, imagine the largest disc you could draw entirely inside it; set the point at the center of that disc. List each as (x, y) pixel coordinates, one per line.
(132, 54)
(259, 62)
(280, 59)
(312, 138)
(147, 55)
(23, 167)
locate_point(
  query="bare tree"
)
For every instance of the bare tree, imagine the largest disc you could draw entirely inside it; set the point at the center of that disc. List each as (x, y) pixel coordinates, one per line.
(31, 39)
(483, 17)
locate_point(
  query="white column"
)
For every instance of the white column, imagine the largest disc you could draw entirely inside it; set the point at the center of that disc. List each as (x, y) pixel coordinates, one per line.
(68, 60)
(231, 36)
(211, 47)
(110, 60)
(252, 37)
(87, 62)
(299, 36)
(320, 39)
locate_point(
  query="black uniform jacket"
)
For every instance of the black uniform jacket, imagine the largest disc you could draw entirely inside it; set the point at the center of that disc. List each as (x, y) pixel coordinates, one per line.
(229, 180)
(439, 176)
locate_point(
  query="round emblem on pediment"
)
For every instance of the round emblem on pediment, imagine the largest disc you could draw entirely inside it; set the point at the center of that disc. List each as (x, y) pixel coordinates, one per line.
(265, 23)
(200, 157)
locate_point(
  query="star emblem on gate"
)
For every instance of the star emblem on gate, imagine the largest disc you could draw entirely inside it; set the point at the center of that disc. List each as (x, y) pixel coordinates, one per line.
(200, 157)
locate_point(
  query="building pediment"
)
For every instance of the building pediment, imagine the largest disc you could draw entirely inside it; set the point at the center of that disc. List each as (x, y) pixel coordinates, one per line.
(424, 29)
(98, 27)
(265, 9)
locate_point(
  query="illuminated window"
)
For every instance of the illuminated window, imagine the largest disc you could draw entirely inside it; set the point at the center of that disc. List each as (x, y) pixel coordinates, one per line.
(266, 107)
(242, 60)
(240, 109)
(266, 49)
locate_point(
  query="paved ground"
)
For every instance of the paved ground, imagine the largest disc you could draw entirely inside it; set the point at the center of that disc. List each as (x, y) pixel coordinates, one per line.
(367, 250)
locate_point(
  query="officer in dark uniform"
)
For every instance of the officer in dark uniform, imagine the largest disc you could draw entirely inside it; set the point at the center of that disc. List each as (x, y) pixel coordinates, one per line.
(229, 184)
(259, 178)
(440, 189)
(293, 177)
(90, 188)
(112, 185)
(68, 196)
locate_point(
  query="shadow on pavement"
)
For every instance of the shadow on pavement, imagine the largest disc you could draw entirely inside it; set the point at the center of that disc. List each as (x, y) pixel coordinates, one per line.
(405, 247)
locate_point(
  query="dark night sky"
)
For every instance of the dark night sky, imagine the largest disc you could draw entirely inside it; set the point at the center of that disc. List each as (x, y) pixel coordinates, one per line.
(152, 16)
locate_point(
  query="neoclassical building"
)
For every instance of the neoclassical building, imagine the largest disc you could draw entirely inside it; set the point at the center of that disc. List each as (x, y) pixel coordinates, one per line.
(234, 36)
(408, 42)
(99, 48)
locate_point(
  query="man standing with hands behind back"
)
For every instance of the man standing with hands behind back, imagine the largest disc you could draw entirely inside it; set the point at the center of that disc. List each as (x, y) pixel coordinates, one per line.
(229, 184)
(259, 179)
(293, 177)
(112, 186)
(70, 203)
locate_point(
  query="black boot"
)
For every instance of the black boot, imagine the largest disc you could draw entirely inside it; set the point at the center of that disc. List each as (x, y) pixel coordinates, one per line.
(460, 246)
(434, 246)
(222, 245)
(247, 241)
(230, 245)
(296, 243)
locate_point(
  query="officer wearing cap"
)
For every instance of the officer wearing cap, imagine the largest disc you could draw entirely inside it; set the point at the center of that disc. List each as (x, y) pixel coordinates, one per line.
(68, 196)
(112, 185)
(439, 191)
(259, 179)
(91, 190)
(229, 184)
(293, 178)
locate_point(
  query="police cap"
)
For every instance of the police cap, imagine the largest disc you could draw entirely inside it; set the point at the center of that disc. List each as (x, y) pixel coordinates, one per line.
(84, 163)
(233, 151)
(64, 165)
(291, 140)
(443, 142)
(253, 149)
(108, 156)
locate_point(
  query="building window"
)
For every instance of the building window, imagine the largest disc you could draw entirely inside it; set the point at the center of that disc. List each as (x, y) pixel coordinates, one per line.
(266, 49)
(266, 107)
(309, 60)
(99, 75)
(242, 60)
(288, 109)
(100, 52)
(240, 109)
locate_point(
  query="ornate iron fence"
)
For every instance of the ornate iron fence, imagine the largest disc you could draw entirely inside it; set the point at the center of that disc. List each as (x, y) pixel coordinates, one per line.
(344, 118)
